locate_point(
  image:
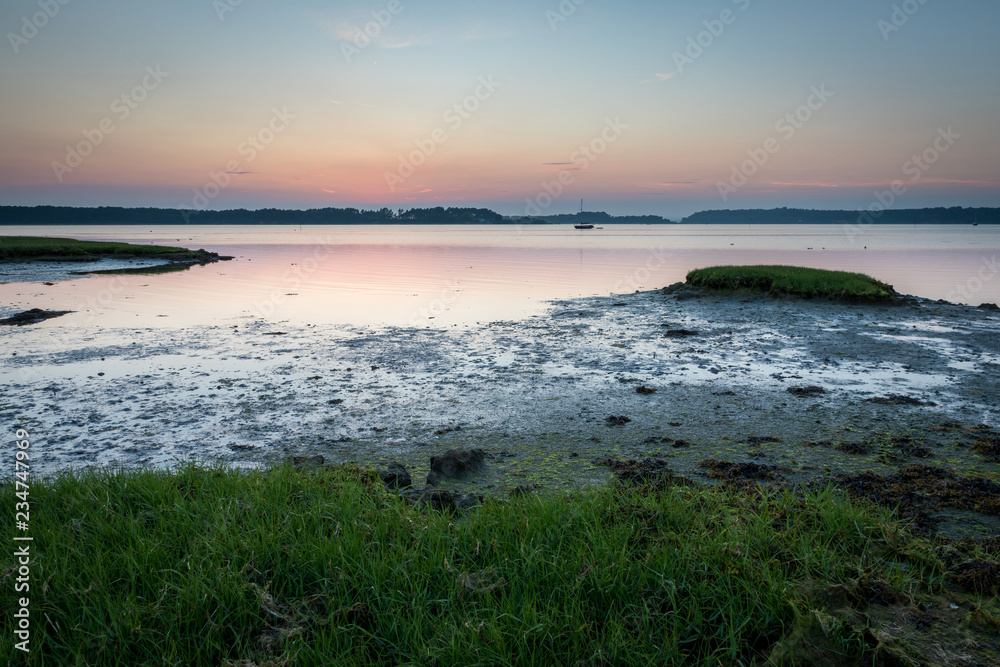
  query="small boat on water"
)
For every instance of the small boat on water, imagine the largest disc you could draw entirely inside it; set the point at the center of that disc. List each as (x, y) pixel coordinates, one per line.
(582, 225)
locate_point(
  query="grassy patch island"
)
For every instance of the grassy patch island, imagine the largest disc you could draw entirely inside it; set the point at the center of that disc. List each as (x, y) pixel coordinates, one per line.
(794, 281)
(46, 249)
(319, 565)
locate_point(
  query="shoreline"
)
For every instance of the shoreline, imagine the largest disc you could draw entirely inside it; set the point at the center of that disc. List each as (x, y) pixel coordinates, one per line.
(537, 392)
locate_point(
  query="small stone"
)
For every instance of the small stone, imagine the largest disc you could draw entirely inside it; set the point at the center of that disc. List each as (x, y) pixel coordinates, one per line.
(458, 462)
(806, 391)
(395, 476)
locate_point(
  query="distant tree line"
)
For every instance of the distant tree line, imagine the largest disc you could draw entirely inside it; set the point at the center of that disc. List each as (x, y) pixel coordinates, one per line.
(601, 218)
(799, 216)
(115, 215)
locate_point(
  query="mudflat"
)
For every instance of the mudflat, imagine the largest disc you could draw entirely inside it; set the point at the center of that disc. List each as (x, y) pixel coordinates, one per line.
(682, 376)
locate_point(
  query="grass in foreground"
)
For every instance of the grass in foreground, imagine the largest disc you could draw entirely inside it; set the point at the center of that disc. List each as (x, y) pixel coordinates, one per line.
(794, 281)
(279, 567)
(59, 249)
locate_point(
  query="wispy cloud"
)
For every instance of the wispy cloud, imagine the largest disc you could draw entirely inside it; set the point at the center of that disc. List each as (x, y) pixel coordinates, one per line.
(959, 181)
(563, 166)
(661, 185)
(659, 76)
(422, 40)
(239, 173)
(805, 184)
(355, 33)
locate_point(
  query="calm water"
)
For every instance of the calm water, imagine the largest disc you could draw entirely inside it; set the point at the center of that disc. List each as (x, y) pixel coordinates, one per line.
(445, 275)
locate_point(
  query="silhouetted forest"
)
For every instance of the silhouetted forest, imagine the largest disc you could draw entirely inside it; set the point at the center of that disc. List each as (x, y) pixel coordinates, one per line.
(600, 218)
(799, 216)
(114, 215)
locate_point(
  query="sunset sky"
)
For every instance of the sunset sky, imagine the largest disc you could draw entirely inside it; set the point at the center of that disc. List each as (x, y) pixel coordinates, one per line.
(679, 105)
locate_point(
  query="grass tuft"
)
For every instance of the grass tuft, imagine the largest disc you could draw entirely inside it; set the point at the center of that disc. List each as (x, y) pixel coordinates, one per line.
(323, 566)
(794, 281)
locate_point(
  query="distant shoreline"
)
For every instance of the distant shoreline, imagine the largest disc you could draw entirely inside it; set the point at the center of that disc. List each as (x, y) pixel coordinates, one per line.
(111, 215)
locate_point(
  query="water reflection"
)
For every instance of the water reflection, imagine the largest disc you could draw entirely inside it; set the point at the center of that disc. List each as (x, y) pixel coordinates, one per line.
(443, 276)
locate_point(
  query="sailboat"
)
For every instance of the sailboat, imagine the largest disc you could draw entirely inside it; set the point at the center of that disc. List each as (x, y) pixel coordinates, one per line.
(582, 225)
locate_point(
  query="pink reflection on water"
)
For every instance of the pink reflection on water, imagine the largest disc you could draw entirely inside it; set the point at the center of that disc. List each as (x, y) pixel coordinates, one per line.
(443, 276)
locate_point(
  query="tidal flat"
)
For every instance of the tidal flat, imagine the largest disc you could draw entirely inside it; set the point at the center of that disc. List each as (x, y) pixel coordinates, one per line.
(629, 441)
(809, 388)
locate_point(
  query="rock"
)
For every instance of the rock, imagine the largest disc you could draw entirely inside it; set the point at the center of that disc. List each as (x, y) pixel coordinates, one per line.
(806, 391)
(32, 316)
(433, 478)
(301, 462)
(988, 306)
(645, 391)
(396, 476)
(458, 462)
(679, 333)
(617, 420)
(451, 501)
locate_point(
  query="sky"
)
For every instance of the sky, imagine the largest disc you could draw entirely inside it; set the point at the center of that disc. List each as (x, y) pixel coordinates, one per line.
(525, 107)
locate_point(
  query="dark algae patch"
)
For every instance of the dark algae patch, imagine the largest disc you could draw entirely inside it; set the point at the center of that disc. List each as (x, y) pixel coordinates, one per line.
(647, 471)
(803, 392)
(988, 446)
(794, 281)
(919, 491)
(742, 474)
(33, 316)
(899, 399)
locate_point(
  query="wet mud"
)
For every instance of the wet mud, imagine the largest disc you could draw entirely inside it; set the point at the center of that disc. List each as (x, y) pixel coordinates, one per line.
(780, 383)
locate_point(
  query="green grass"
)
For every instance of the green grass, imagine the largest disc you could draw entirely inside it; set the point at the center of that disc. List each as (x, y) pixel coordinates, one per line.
(794, 281)
(59, 249)
(212, 566)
